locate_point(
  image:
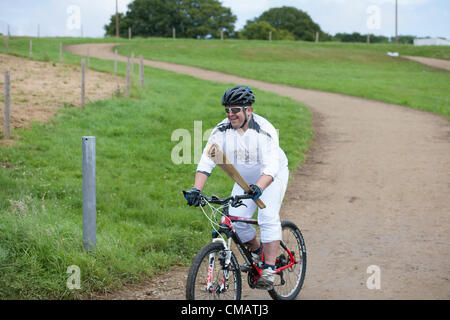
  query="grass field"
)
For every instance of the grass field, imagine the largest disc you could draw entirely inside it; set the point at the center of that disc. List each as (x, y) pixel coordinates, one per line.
(354, 69)
(143, 223)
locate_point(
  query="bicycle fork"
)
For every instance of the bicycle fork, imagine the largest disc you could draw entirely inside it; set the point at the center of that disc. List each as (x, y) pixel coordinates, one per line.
(225, 256)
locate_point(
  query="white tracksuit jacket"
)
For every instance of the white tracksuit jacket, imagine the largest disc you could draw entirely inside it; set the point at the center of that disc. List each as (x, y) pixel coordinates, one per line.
(253, 153)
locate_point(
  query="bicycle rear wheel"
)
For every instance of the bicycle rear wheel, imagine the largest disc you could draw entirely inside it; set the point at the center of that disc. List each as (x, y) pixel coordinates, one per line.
(289, 282)
(226, 282)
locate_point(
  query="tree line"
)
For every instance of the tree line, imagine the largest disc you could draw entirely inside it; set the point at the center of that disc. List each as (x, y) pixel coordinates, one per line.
(209, 19)
(357, 37)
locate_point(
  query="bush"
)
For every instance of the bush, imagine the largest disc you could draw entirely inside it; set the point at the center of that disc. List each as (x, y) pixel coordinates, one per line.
(260, 31)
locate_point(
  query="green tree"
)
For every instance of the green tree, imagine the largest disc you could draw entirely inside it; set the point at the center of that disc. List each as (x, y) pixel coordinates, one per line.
(357, 37)
(208, 17)
(123, 26)
(406, 39)
(377, 39)
(295, 21)
(351, 37)
(260, 30)
(190, 18)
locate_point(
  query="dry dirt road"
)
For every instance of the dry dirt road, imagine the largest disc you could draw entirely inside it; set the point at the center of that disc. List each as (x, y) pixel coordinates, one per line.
(435, 63)
(375, 190)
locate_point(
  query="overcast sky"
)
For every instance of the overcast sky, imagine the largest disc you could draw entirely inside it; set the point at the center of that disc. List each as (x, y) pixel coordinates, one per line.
(71, 17)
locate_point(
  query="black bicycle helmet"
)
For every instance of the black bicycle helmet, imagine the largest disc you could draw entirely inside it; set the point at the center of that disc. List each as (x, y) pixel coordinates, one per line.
(238, 96)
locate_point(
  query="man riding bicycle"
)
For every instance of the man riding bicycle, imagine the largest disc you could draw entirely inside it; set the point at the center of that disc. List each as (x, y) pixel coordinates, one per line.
(251, 143)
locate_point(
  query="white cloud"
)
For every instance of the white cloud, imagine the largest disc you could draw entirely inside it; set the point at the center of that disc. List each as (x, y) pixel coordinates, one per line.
(369, 2)
(401, 2)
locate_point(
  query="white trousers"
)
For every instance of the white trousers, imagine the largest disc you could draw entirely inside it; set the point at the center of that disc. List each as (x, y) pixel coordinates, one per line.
(268, 218)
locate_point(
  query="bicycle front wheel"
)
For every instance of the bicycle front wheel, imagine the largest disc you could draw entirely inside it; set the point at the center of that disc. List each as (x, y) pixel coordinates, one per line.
(290, 281)
(210, 278)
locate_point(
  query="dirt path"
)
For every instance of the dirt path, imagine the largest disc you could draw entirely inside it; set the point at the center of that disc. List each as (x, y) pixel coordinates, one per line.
(435, 63)
(374, 191)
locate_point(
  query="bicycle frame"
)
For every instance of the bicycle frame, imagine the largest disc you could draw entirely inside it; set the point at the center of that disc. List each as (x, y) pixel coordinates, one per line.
(227, 228)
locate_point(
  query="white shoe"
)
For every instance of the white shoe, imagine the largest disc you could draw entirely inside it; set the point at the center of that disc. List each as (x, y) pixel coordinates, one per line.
(267, 279)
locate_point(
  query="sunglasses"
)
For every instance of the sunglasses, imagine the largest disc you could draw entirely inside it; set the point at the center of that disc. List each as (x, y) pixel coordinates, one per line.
(233, 110)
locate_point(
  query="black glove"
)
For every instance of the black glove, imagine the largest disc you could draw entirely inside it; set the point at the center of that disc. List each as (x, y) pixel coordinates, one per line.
(193, 197)
(255, 192)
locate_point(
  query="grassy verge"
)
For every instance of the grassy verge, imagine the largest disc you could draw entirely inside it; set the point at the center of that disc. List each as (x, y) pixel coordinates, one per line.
(354, 69)
(143, 224)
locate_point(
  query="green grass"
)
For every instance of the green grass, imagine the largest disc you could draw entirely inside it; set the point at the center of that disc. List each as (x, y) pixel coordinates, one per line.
(143, 223)
(353, 69)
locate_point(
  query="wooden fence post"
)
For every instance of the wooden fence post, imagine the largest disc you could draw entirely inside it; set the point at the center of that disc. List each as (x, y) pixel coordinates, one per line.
(141, 70)
(317, 36)
(83, 69)
(31, 48)
(270, 35)
(173, 33)
(7, 105)
(115, 61)
(128, 77)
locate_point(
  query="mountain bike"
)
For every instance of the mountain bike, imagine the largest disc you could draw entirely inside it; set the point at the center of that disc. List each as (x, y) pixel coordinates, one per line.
(215, 272)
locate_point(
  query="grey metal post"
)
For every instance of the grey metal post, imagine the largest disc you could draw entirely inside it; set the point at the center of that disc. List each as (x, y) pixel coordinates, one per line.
(141, 70)
(31, 48)
(128, 77)
(368, 38)
(270, 35)
(83, 69)
(221, 34)
(7, 44)
(60, 51)
(129, 33)
(38, 32)
(173, 33)
(317, 36)
(115, 61)
(89, 194)
(7, 105)
(396, 21)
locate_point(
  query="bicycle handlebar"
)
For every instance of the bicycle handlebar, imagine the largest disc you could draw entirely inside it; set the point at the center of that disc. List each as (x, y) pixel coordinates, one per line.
(235, 200)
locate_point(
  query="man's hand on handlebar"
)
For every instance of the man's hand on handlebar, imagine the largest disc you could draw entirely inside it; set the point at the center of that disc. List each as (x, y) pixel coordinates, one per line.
(196, 198)
(255, 192)
(193, 197)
